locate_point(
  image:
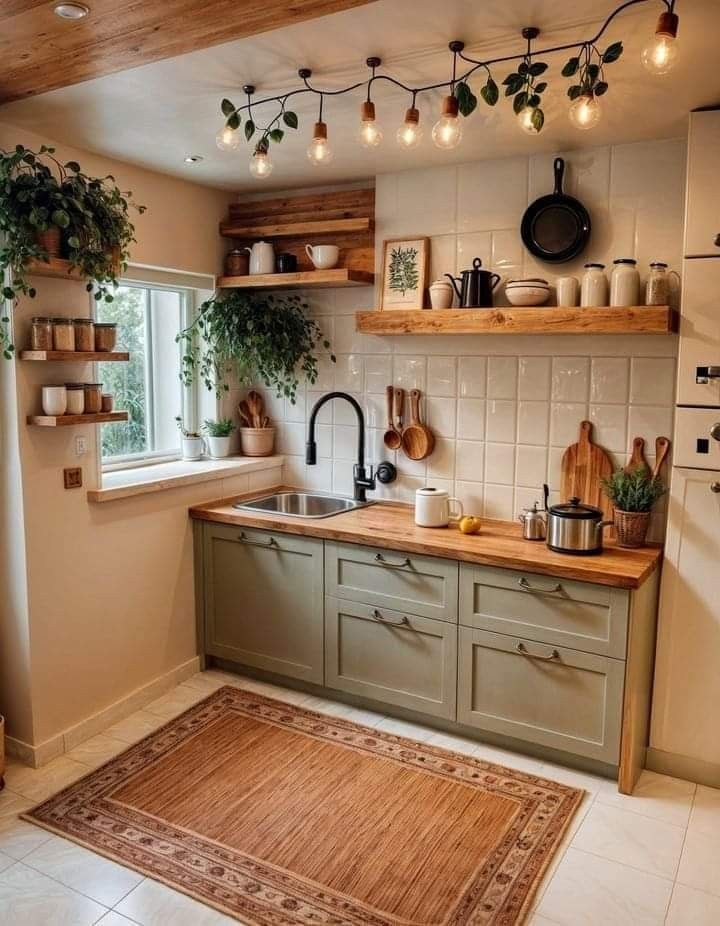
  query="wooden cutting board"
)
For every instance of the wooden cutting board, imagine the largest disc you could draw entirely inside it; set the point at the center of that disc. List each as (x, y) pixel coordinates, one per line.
(583, 466)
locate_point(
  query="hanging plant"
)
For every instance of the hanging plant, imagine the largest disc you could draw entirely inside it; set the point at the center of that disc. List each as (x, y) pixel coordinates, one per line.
(589, 70)
(259, 337)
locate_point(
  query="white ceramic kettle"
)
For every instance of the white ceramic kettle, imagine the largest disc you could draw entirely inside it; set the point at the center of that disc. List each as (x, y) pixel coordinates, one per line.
(262, 257)
(434, 508)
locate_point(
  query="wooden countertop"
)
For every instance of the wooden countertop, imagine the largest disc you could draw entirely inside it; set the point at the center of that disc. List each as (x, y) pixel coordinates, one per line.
(499, 543)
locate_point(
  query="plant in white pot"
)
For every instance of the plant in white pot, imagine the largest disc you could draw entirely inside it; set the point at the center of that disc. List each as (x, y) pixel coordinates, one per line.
(193, 445)
(218, 437)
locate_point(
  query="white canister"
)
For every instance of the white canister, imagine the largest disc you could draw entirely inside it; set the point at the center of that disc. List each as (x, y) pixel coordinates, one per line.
(594, 290)
(434, 508)
(262, 257)
(54, 400)
(568, 291)
(193, 448)
(625, 282)
(441, 294)
(323, 256)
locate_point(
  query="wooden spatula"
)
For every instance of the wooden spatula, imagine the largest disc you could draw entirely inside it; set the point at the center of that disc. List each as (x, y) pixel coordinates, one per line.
(637, 458)
(583, 466)
(662, 448)
(418, 440)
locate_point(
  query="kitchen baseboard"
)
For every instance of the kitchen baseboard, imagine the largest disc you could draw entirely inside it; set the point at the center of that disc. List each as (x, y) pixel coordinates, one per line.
(42, 753)
(671, 763)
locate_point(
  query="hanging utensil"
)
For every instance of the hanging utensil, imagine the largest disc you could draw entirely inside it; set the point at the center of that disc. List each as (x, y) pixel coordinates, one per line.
(392, 437)
(584, 465)
(556, 227)
(637, 458)
(662, 448)
(418, 440)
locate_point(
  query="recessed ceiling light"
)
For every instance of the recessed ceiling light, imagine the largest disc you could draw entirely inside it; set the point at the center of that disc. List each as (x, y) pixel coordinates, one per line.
(193, 159)
(71, 10)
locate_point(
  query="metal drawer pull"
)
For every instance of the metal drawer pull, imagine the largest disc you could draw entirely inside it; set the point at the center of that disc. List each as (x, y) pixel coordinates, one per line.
(272, 542)
(379, 558)
(715, 487)
(383, 620)
(523, 652)
(527, 587)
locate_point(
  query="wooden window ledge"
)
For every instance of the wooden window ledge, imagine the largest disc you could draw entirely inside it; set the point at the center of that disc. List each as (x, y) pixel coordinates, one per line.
(126, 483)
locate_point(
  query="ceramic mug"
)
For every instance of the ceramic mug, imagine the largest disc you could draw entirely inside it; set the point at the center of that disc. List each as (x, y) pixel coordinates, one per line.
(323, 256)
(54, 400)
(434, 508)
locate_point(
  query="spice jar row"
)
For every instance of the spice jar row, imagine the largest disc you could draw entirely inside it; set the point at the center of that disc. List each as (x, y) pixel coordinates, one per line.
(72, 334)
(76, 399)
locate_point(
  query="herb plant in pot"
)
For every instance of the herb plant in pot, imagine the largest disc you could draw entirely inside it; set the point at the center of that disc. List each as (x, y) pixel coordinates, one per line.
(192, 444)
(633, 494)
(218, 437)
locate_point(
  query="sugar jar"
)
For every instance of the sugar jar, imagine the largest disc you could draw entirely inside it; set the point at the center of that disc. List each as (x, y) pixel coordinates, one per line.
(625, 282)
(594, 290)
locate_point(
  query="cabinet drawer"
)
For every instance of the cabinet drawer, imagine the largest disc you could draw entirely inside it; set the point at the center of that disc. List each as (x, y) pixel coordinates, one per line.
(264, 600)
(391, 656)
(587, 617)
(571, 702)
(422, 585)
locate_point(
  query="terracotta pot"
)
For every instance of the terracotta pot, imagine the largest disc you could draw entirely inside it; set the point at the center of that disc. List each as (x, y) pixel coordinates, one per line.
(257, 442)
(50, 241)
(631, 527)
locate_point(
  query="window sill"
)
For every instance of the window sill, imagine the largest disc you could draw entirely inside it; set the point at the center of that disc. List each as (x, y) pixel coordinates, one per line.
(126, 483)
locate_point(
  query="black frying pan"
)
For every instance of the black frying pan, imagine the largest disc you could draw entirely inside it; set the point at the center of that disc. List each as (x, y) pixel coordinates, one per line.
(556, 227)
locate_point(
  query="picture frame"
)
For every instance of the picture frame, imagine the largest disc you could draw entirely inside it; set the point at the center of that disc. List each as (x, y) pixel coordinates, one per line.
(406, 264)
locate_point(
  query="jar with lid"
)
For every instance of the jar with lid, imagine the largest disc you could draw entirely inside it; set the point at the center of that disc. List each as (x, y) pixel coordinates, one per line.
(63, 334)
(84, 334)
(594, 290)
(657, 287)
(625, 282)
(237, 262)
(105, 336)
(93, 398)
(41, 334)
(75, 398)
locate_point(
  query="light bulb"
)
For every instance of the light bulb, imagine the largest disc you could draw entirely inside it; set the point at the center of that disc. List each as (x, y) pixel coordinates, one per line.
(525, 121)
(410, 134)
(227, 139)
(319, 151)
(661, 52)
(370, 134)
(261, 165)
(585, 112)
(447, 131)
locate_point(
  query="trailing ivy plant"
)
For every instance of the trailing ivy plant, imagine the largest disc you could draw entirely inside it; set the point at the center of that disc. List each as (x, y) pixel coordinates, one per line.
(259, 337)
(588, 69)
(272, 131)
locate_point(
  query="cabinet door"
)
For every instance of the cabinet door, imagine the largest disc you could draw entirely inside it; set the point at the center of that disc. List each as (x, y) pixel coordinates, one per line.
(702, 222)
(391, 656)
(700, 332)
(548, 695)
(263, 600)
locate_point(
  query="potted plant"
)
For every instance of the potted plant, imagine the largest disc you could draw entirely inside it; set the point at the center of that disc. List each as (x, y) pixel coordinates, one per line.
(633, 494)
(218, 438)
(193, 445)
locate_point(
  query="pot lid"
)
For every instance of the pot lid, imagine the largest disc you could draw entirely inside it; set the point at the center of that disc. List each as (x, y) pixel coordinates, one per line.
(574, 508)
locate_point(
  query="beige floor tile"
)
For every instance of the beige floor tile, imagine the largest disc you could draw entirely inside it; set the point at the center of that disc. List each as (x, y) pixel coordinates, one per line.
(174, 702)
(18, 838)
(84, 871)
(153, 904)
(413, 731)
(705, 814)
(6, 861)
(114, 919)
(97, 750)
(700, 863)
(508, 758)
(454, 743)
(565, 844)
(37, 784)
(576, 779)
(538, 921)
(135, 727)
(346, 711)
(11, 804)
(28, 898)
(211, 680)
(591, 891)
(656, 796)
(631, 839)
(690, 907)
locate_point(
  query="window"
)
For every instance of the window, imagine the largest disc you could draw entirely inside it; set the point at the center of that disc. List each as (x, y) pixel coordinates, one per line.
(148, 318)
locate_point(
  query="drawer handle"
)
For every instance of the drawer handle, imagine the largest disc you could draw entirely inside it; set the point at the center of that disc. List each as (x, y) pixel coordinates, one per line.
(523, 652)
(715, 487)
(271, 543)
(527, 587)
(383, 620)
(379, 558)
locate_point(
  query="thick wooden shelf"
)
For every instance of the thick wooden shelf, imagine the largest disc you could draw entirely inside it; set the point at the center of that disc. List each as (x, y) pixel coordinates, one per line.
(76, 356)
(64, 421)
(655, 319)
(307, 279)
(293, 229)
(55, 267)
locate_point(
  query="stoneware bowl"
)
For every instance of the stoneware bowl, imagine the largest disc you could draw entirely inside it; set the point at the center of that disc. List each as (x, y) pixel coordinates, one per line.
(527, 292)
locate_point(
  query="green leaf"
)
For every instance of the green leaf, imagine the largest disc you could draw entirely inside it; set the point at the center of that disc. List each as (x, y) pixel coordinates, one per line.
(574, 91)
(73, 166)
(233, 122)
(8, 292)
(520, 101)
(537, 68)
(290, 119)
(523, 67)
(601, 87)
(467, 101)
(74, 241)
(490, 92)
(510, 78)
(60, 218)
(593, 72)
(571, 67)
(538, 119)
(541, 87)
(612, 52)
(534, 101)
(227, 107)
(276, 135)
(249, 129)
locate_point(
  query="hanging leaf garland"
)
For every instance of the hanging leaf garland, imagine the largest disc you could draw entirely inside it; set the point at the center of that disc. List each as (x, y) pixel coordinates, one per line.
(522, 85)
(588, 69)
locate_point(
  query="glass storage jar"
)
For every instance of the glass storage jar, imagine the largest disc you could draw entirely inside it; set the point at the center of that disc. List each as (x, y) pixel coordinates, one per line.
(93, 398)
(105, 336)
(75, 398)
(41, 334)
(594, 290)
(657, 287)
(84, 334)
(625, 282)
(63, 334)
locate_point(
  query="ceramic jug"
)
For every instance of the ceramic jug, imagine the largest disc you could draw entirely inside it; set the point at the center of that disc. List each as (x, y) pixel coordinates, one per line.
(262, 257)
(476, 286)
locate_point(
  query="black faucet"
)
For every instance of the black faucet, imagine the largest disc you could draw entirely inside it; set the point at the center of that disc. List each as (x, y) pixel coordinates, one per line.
(361, 479)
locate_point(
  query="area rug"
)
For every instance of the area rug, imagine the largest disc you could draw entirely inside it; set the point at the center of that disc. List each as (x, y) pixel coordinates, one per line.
(280, 816)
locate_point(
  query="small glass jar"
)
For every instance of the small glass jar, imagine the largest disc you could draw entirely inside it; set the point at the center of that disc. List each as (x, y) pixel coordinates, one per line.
(63, 334)
(105, 336)
(594, 290)
(75, 398)
(84, 334)
(625, 283)
(41, 334)
(93, 398)
(657, 287)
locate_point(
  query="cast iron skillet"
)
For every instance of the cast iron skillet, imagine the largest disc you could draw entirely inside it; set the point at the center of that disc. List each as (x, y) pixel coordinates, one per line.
(556, 227)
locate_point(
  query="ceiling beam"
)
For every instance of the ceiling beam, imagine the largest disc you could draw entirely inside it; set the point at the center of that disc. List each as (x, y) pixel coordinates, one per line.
(40, 51)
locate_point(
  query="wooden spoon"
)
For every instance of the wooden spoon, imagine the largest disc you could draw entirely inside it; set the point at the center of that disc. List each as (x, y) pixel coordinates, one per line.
(245, 414)
(255, 404)
(392, 437)
(662, 448)
(638, 456)
(418, 440)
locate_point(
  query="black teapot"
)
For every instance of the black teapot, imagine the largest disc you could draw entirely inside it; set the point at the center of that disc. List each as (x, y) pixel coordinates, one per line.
(476, 286)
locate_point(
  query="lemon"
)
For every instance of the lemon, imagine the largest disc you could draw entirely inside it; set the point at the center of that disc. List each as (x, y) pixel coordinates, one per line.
(469, 525)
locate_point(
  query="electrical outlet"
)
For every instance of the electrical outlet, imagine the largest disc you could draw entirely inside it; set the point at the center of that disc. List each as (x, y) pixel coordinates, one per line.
(72, 477)
(80, 446)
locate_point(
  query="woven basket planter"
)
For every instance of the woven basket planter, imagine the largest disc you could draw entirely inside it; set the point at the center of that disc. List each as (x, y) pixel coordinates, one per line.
(631, 527)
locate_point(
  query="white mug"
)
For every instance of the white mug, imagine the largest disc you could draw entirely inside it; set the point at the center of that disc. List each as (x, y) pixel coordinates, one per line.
(54, 400)
(568, 291)
(323, 256)
(434, 508)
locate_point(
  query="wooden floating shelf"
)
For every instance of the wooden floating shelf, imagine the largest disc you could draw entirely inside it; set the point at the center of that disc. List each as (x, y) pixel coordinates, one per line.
(64, 421)
(293, 229)
(55, 267)
(76, 356)
(307, 279)
(655, 319)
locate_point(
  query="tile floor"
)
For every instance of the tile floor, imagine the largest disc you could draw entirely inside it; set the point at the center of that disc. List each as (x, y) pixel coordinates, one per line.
(649, 859)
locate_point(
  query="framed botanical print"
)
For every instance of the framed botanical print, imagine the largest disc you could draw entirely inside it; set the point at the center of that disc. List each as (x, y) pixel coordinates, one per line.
(406, 262)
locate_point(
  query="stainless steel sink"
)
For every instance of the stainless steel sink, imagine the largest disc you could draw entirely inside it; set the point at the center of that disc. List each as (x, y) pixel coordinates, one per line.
(301, 504)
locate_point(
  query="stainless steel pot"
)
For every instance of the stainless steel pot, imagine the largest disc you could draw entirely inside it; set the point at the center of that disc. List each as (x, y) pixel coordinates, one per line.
(576, 528)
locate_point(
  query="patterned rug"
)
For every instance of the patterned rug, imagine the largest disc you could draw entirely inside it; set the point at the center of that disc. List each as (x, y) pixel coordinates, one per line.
(280, 816)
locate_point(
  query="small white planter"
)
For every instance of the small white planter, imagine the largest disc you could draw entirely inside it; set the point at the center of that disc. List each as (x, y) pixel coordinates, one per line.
(193, 448)
(218, 447)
